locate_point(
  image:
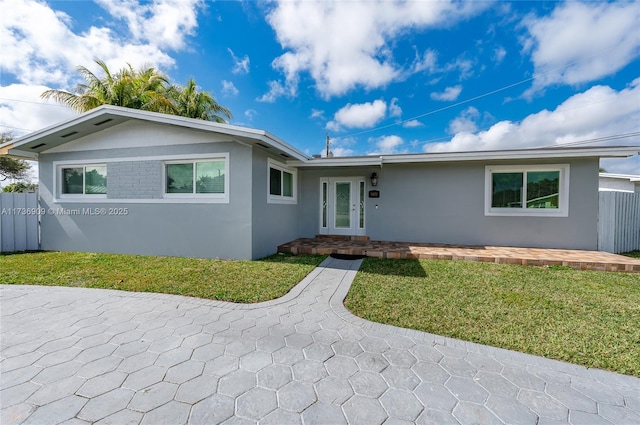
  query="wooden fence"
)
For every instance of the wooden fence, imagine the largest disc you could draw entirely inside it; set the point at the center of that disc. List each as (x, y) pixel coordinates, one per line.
(19, 222)
(619, 222)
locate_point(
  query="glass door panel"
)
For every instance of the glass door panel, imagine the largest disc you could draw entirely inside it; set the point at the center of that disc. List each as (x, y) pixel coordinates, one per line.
(343, 205)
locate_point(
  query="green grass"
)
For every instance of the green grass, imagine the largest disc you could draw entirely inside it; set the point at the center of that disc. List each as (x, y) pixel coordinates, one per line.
(236, 281)
(632, 254)
(583, 317)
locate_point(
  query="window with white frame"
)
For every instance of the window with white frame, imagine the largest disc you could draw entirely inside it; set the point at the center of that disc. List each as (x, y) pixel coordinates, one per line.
(196, 178)
(282, 183)
(83, 180)
(537, 190)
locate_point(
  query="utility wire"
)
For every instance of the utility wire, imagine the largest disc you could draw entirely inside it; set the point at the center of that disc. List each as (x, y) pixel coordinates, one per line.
(596, 140)
(440, 109)
(474, 98)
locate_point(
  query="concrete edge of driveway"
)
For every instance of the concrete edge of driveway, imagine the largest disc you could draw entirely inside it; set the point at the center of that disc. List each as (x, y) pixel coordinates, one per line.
(289, 296)
(336, 303)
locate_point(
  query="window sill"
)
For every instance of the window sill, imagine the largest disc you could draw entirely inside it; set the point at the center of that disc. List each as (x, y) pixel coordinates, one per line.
(526, 213)
(281, 200)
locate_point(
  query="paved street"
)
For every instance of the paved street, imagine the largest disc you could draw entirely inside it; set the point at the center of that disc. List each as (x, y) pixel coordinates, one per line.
(81, 356)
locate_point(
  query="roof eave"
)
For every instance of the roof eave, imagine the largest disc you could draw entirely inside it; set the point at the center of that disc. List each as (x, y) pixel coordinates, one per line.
(128, 114)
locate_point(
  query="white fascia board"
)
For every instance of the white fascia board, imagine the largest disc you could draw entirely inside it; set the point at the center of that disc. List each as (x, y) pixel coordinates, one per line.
(43, 132)
(109, 110)
(338, 162)
(228, 129)
(18, 154)
(613, 152)
(278, 143)
(630, 177)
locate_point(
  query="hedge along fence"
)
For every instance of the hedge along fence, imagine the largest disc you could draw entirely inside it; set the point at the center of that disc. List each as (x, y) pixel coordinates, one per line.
(19, 222)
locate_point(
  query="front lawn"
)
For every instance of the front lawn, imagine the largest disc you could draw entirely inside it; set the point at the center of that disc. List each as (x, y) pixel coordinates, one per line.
(583, 317)
(236, 281)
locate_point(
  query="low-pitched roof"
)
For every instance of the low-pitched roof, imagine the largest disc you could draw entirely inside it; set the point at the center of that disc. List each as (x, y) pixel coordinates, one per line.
(533, 153)
(105, 116)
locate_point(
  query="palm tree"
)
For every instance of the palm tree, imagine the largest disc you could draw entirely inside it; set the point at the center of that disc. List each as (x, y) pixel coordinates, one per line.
(192, 103)
(146, 89)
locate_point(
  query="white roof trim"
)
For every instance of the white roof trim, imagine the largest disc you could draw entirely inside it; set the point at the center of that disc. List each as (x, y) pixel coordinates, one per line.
(109, 110)
(630, 177)
(548, 153)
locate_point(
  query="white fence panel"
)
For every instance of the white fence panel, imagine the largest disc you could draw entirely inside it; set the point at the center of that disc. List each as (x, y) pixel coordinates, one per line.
(19, 222)
(619, 222)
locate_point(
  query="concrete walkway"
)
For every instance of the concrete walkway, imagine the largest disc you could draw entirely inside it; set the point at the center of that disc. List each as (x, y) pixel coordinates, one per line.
(78, 356)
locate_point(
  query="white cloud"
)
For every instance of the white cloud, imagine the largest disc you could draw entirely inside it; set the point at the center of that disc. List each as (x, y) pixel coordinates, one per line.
(394, 109)
(229, 89)
(449, 94)
(412, 124)
(341, 52)
(250, 114)
(164, 23)
(240, 66)
(386, 145)
(582, 42)
(427, 62)
(340, 146)
(359, 115)
(277, 89)
(465, 122)
(498, 54)
(40, 48)
(317, 113)
(28, 112)
(597, 112)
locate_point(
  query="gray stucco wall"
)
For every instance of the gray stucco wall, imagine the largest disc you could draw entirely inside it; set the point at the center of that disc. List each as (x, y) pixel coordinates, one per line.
(206, 230)
(273, 224)
(444, 203)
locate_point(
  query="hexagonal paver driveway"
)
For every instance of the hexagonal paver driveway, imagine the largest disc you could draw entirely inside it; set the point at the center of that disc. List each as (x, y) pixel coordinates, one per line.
(80, 356)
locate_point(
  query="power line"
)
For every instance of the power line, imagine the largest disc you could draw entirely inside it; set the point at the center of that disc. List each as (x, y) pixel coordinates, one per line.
(16, 128)
(596, 140)
(477, 97)
(33, 102)
(440, 109)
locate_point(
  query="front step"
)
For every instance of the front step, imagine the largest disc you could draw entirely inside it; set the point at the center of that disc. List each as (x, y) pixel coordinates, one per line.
(344, 238)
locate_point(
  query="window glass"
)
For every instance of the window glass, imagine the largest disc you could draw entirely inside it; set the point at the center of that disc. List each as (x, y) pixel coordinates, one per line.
(275, 178)
(361, 224)
(72, 182)
(287, 184)
(507, 190)
(343, 205)
(95, 180)
(324, 204)
(179, 178)
(210, 177)
(543, 189)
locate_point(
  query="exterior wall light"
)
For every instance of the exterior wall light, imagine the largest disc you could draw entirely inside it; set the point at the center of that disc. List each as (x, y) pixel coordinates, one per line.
(374, 179)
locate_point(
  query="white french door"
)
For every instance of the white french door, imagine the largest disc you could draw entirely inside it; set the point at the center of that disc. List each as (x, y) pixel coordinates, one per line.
(342, 206)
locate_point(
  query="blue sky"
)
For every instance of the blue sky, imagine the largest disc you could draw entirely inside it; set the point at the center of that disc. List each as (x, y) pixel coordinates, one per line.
(377, 77)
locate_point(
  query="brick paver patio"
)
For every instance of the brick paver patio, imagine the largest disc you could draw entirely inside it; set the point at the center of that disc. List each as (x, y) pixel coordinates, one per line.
(93, 356)
(577, 259)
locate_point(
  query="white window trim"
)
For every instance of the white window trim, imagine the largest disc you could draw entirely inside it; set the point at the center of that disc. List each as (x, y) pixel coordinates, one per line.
(209, 197)
(57, 174)
(563, 198)
(57, 181)
(281, 199)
